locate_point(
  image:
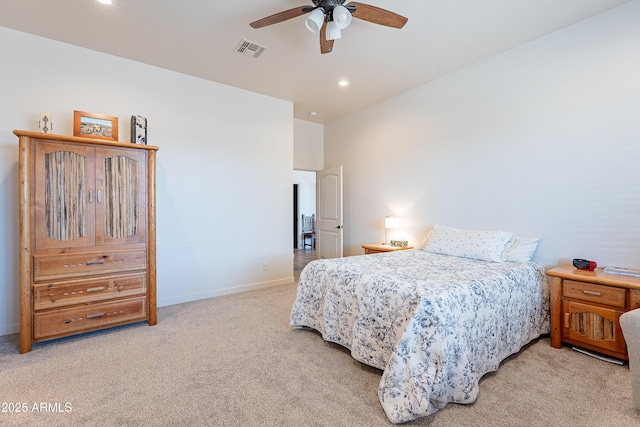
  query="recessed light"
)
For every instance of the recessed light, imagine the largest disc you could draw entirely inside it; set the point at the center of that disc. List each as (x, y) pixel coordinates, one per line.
(108, 2)
(313, 113)
(343, 83)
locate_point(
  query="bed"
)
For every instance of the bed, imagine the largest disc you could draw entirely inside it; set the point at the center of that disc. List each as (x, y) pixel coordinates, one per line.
(434, 323)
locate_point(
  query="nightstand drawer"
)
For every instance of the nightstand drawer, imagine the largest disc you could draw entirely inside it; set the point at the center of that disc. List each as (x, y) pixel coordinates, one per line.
(594, 293)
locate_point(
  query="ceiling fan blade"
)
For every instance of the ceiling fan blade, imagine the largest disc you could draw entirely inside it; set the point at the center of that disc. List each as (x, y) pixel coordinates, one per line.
(378, 15)
(326, 46)
(282, 16)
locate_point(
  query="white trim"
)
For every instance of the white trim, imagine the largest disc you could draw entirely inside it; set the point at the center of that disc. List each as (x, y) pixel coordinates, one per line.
(179, 299)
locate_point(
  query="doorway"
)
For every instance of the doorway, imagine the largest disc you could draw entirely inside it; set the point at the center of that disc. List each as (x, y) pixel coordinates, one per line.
(304, 203)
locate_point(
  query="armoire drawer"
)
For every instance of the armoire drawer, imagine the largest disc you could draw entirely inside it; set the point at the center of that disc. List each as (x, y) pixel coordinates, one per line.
(51, 267)
(61, 294)
(88, 317)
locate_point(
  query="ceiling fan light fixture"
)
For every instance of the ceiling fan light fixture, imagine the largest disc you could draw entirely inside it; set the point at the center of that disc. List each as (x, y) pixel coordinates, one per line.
(315, 20)
(329, 17)
(333, 31)
(341, 16)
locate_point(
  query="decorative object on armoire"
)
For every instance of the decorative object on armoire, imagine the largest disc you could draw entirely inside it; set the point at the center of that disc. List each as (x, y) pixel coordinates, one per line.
(45, 124)
(138, 130)
(92, 125)
(87, 235)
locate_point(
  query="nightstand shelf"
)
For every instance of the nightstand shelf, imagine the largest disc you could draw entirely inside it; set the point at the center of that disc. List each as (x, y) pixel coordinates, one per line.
(586, 307)
(377, 248)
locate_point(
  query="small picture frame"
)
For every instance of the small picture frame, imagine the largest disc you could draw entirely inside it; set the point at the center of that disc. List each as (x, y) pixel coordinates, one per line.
(92, 125)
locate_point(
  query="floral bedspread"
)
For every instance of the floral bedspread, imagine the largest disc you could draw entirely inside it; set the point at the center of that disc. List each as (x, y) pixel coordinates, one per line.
(435, 324)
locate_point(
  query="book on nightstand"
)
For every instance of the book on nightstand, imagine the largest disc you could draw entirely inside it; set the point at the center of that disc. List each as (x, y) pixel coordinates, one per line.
(622, 271)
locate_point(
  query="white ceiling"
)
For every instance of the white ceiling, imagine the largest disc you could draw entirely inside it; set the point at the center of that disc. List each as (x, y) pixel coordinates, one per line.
(198, 37)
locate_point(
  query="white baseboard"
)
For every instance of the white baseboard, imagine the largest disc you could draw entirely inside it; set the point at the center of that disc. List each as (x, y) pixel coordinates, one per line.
(9, 329)
(179, 299)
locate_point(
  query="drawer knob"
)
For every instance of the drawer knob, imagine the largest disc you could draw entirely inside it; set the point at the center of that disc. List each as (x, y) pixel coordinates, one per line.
(94, 262)
(592, 293)
(96, 289)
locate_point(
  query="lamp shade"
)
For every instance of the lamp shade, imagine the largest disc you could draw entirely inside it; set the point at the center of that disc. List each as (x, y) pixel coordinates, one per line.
(341, 16)
(315, 20)
(391, 221)
(333, 32)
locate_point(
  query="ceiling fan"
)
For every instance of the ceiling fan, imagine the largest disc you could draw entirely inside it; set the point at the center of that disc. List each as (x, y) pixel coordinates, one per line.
(328, 17)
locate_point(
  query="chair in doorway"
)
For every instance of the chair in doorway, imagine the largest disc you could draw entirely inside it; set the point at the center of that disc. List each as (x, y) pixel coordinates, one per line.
(309, 231)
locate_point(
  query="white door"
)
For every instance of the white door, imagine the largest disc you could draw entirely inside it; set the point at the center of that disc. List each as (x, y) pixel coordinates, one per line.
(329, 218)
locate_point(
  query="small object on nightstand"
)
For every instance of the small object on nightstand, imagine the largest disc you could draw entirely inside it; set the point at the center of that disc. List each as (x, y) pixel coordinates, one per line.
(622, 271)
(583, 264)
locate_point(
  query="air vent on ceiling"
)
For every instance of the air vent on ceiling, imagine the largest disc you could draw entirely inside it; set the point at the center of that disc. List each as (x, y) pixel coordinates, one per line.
(249, 48)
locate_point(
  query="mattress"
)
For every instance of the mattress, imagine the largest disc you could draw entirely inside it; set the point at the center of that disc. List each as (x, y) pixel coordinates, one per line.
(435, 324)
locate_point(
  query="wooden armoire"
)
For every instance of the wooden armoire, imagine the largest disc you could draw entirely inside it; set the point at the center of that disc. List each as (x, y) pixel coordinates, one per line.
(87, 235)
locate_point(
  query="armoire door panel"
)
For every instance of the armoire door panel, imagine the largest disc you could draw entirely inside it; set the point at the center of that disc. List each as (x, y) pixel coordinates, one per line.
(121, 213)
(64, 195)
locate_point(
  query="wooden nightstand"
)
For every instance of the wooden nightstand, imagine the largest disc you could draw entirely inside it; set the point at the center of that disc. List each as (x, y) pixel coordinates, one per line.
(379, 247)
(586, 308)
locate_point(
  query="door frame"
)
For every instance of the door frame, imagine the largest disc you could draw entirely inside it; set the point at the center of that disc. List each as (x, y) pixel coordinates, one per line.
(295, 216)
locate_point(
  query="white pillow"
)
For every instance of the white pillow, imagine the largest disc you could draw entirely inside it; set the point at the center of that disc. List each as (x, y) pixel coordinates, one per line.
(521, 249)
(476, 244)
(423, 244)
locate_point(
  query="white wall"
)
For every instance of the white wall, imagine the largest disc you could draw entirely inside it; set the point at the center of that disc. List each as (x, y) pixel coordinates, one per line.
(308, 149)
(308, 157)
(541, 140)
(224, 164)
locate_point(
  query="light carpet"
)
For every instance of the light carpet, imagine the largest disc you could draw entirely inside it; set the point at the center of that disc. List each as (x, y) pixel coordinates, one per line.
(235, 361)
